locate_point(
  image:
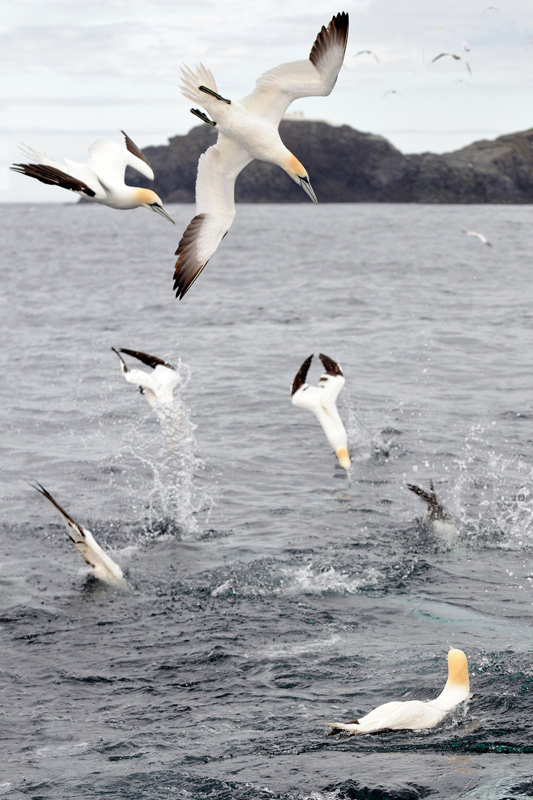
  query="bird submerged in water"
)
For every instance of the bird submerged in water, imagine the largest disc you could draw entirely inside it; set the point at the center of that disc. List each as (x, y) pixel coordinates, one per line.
(101, 177)
(321, 400)
(437, 516)
(246, 130)
(100, 564)
(415, 715)
(158, 386)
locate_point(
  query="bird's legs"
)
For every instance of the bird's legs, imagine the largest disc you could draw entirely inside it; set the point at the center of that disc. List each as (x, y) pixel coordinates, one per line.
(202, 116)
(214, 94)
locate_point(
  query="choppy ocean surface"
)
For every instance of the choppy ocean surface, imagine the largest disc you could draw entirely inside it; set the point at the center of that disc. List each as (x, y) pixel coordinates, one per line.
(267, 593)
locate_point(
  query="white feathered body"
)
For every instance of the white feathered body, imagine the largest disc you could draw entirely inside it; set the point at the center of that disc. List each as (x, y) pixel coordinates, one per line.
(157, 386)
(414, 714)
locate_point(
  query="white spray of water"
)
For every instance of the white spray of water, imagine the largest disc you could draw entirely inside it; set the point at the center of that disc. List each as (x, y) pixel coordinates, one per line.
(172, 458)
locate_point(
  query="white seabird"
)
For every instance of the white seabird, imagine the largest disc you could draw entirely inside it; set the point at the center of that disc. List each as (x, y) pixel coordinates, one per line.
(414, 714)
(249, 129)
(321, 400)
(454, 56)
(101, 177)
(157, 386)
(479, 236)
(101, 565)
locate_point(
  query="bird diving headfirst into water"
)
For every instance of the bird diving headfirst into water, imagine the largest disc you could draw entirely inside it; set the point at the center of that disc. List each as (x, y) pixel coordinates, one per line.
(321, 400)
(158, 386)
(414, 714)
(101, 177)
(246, 130)
(100, 564)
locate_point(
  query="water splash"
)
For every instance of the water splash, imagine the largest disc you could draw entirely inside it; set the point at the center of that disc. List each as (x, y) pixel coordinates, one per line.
(171, 457)
(361, 443)
(494, 493)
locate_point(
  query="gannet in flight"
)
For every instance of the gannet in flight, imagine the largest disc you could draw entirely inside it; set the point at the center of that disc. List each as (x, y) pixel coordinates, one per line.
(101, 177)
(479, 236)
(101, 565)
(158, 386)
(321, 401)
(414, 714)
(437, 516)
(456, 57)
(248, 129)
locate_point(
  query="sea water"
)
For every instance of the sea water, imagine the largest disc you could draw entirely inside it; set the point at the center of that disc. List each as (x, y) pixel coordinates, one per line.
(269, 592)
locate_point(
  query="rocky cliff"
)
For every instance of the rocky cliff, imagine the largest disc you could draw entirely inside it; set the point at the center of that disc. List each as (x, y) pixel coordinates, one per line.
(346, 165)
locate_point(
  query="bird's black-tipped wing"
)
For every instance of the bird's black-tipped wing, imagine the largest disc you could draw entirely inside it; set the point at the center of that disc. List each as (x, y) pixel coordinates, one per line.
(301, 375)
(331, 367)
(53, 177)
(150, 361)
(77, 527)
(134, 150)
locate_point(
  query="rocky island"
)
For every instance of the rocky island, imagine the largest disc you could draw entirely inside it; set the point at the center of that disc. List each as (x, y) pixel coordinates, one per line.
(347, 166)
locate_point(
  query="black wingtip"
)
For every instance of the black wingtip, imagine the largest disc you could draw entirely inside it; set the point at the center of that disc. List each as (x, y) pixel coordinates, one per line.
(146, 358)
(301, 375)
(331, 367)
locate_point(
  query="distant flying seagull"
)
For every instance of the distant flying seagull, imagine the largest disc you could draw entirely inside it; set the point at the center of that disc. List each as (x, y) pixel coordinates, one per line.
(456, 57)
(101, 177)
(158, 386)
(367, 52)
(392, 91)
(101, 565)
(416, 715)
(321, 400)
(479, 236)
(249, 129)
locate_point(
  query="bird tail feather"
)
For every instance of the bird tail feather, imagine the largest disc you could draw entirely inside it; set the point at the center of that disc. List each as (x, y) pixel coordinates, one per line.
(192, 79)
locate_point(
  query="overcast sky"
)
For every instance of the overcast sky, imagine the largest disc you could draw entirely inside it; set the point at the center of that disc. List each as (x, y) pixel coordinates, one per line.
(73, 71)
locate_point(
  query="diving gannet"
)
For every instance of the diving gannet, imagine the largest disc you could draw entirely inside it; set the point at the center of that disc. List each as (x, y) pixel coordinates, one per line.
(158, 386)
(479, 236)
(437, 516)
(101, 565)
(414, 714)
(456, 57)
(321, 401)
(248, 129)
(101, 177)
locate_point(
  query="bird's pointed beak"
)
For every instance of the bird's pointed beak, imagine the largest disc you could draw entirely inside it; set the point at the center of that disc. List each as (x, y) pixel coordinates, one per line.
(162, 210)
(308, 189)
(344, 458)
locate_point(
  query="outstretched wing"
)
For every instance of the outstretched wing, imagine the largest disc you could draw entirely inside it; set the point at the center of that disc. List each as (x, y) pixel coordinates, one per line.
(301, 375)
(55, 177)
(218, 168)
(331, 382)
(101, 564)
(277, 88)
(108, 160)
(150, 361)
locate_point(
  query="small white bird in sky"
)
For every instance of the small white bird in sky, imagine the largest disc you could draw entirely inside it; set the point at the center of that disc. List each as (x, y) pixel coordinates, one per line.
(479, 236)
(101, 565)
(157, 386)
(101, 177)
(456, 57)
(249, 129)
(321, 400)
(414, 714)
